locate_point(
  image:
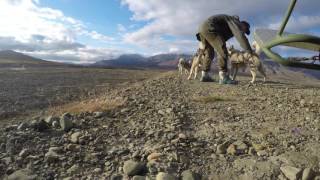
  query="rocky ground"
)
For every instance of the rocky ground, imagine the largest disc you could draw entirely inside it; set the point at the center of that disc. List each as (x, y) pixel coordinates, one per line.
(37, 88)
(170, 128)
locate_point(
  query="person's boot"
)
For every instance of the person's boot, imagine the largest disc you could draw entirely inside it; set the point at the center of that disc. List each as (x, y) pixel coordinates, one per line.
(225, 79)
(205, 77)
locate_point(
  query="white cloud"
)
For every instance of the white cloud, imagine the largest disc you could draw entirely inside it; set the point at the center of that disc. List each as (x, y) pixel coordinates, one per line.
(80, 55)
(299, 24)
(121, 28)
(181, 18)
(28, 27)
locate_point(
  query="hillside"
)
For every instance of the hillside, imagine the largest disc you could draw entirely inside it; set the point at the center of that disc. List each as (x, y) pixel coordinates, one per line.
(172, 128)
(12, 59)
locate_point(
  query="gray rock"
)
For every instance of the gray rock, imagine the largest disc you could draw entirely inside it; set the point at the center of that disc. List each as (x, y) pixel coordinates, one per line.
(75, 137)
(117, 177)
(308, 174)
(139, 178)
(7, 160)
(291, 173)
(222, 148)
(73, 169)
(98, 114)
(241, 147)
(13, 146)
(262, 153)
(189, 175)
(152, 167)
(161, 112)
(39, 125)
(23, 174)
(132, 168)
(49, 119)
(11, 127)
(23, 126)
(66, 122)
(165, 176)
(232, 150)
(97, 170)
(24, 153)
(52, 156)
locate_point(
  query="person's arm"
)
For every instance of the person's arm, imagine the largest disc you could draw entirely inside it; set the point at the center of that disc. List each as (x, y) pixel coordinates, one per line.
(239, 35)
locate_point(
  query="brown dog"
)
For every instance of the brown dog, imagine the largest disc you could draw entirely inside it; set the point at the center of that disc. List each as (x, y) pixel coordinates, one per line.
(240, 59)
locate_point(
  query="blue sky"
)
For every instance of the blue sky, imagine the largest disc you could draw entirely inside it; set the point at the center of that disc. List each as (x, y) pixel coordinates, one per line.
(83, 31)
(102, 15)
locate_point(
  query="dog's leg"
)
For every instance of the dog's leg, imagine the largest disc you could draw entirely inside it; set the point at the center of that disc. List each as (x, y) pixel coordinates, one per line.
(254, 75)
(196, 72)
(190, 74)
(234, 72)
(262, 71)
(191, 70)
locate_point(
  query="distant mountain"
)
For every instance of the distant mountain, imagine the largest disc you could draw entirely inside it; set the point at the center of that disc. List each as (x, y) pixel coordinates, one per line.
(138, 61)
(13, 59)
(126, 60)
(15, 56)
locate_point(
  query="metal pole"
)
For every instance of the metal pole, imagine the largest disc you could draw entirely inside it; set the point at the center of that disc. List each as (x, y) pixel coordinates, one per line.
(286, 18)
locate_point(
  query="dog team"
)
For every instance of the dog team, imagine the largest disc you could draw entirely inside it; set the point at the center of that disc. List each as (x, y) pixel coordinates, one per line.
(213, 34)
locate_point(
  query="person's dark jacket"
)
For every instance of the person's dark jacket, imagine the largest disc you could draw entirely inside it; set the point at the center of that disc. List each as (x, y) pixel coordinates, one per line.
(227, 27)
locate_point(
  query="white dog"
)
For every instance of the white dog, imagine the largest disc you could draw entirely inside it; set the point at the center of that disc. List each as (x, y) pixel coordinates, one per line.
(183, 65)
(242, 59)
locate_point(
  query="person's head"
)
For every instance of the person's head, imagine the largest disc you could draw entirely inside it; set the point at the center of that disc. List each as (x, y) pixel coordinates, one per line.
(245, 27)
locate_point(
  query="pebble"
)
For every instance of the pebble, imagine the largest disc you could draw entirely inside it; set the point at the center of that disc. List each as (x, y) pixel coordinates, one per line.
(98, 114)
(75, 137)
(23, 174)
(189, 175)
(51, 157)
(73, 169)
(66, 122)
(308, 174)
(291, 173)
(262, 153)
(222, 148)
(97, 170)
(23, 126)
(51, 119)
(154, 156)
(182, 136)
(40, 125)
(24, 153)
(139, 178)
(116, 177)
(232, 150)
(165, 176)
(132, 168)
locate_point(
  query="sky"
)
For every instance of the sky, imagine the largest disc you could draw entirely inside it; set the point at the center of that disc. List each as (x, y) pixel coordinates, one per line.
(86, 31)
